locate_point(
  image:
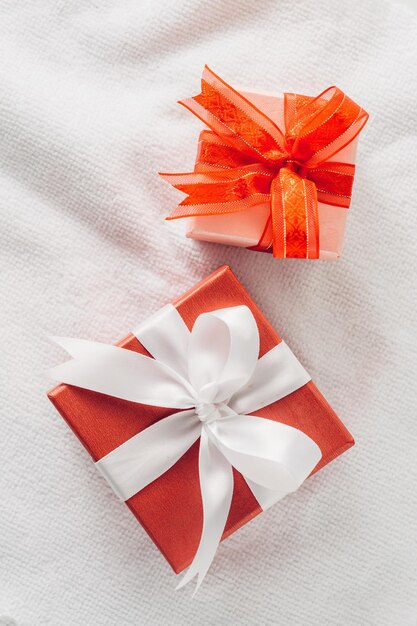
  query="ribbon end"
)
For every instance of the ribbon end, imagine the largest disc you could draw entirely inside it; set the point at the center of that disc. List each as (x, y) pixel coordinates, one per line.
(185, 103)
(185, 580)
(182, 582)
(55, 373)
(53, 338)
(200, 578)
(166, 176)
(188, 578)
(50, 373)
(62, 342)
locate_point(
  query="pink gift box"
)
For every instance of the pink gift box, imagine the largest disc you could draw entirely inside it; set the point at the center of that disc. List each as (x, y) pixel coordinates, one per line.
(244, 229)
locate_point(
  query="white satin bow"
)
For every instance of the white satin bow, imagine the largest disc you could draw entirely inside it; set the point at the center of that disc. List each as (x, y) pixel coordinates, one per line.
(215, 375)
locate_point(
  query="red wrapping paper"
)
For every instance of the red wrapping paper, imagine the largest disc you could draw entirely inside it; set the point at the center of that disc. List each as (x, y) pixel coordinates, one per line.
(170, 509)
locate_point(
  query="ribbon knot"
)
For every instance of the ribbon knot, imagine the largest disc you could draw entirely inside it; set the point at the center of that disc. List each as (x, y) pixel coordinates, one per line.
(215, 376)
(246, 159)
(207, 413)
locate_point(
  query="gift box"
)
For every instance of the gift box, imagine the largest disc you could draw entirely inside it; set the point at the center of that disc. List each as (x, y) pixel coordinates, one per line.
(170, 508)
(273, 173)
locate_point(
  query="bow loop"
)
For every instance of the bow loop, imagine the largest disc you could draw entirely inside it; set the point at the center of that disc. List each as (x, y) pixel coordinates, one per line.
(223, 353)
(262, 450)
(235, 119)
(318, 128)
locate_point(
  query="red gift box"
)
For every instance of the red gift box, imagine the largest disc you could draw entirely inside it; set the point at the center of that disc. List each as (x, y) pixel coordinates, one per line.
(170, 508)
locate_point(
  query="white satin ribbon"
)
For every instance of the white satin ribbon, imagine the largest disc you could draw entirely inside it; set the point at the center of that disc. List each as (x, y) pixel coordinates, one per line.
(213, 373)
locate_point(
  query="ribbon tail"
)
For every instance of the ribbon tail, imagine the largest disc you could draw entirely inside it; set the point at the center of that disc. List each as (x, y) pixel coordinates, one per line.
(213, 153)
(294, 212)
(220, 192)
(122, 373)
(216, 483)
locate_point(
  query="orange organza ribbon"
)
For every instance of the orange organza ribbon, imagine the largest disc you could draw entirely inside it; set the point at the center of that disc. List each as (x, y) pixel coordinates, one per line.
(245, 159)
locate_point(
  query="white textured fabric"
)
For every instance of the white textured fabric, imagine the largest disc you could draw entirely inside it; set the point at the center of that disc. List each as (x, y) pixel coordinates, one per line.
(87, 118)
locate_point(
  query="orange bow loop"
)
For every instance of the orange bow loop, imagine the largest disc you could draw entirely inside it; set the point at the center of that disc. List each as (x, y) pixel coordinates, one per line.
(236, 120)
(318, 128)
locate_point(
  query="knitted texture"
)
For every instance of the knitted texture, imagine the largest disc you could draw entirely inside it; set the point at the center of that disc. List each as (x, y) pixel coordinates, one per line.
(88, 116)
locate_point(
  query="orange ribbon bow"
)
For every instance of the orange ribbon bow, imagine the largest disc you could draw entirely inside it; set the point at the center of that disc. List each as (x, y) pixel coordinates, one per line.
(246, 159)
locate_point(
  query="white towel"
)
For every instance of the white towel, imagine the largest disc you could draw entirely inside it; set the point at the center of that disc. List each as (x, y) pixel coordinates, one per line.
(88, 116)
